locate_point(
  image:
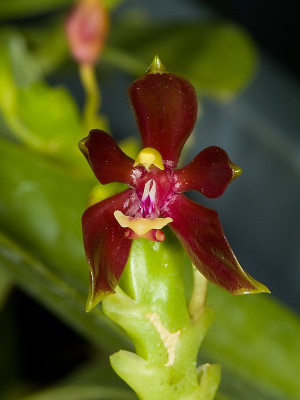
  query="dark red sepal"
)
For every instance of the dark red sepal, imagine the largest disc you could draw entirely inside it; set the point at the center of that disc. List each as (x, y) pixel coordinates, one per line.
(209, 172)
(199, 230)
(107, 160)
(165, 106)
(106, 248)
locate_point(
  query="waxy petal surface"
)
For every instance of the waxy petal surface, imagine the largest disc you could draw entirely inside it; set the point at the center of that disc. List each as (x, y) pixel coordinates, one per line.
(108, 162)
(199, 230)
(165, 107)
(106, 248)
(209, 172)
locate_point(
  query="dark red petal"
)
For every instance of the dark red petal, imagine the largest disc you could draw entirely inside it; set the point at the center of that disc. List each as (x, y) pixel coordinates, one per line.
(199, 230)
(105, 247)
(165, 107)
(106, 159)
(209, 172)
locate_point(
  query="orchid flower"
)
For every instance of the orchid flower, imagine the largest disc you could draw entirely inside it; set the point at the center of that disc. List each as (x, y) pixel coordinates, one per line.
(165, 106)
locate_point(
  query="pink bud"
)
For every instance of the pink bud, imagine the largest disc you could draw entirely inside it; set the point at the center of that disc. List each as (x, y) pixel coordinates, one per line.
(86, 29)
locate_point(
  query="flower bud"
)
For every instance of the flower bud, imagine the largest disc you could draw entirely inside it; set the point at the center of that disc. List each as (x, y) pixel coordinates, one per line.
(86, 30)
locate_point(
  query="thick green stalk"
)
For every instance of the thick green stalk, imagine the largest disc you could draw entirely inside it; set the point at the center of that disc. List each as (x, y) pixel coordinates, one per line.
(167, 330)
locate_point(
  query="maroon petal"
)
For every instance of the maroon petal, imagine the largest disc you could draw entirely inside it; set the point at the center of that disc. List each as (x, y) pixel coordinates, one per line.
(106, 159)
(199, 230)
(165, 107)
(209, 172)
(105, 247)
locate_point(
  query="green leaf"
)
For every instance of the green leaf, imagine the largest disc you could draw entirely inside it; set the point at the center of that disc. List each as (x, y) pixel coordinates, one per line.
(51, 117)
(82, 393)
(43, 117)
(8, 356)
(13, 54)
(48, 42)
(5, 286)
(217, 57)
(57, 295)
(25, 8)
(41, 209)
(255, 339)
(96, 371)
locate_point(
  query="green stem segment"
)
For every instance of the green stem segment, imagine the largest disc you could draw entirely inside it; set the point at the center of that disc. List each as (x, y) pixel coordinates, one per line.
(92, 91)
(167, 329)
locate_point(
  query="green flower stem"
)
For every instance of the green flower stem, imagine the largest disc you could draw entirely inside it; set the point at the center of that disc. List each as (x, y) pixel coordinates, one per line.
(167, 329)
(93, 96)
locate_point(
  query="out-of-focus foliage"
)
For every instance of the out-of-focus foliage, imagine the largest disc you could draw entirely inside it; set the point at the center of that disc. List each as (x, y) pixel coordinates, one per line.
(45, 184)
(25, 102)
(221, 66)
(24, 8)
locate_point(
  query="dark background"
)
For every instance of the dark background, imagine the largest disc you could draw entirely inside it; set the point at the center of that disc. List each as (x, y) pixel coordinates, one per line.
(273, 24)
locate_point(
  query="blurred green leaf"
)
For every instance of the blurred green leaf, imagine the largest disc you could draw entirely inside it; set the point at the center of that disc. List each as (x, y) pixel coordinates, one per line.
(14, 54)
(5, 286)
(257, 340)
(48, 42)
(220, 396)
(58, 296)
(26, 8)
(96, 371)
(51, 116)
(217, 57)
(44, 117)
(82, 393)
(41, 209)
(8, 342)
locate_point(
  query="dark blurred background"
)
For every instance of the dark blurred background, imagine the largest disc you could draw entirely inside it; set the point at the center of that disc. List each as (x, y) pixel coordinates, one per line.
(274, 25)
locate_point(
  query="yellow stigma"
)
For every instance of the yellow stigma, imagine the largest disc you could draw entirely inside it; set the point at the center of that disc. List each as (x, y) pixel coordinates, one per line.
(149, 156)
(141, 225)
(236, 171)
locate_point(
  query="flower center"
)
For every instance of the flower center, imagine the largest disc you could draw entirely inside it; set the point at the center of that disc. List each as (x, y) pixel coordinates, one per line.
(145, 221)
(147, 207)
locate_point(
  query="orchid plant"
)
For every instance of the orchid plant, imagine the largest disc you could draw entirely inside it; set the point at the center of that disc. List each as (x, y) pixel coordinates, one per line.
(151, 250)
(165, 107)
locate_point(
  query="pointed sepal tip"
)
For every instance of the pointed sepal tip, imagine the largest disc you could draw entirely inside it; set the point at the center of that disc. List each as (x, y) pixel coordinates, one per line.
(156, 67)
(236, 171)
(257, 288)
(82, 147)
(95, 298)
